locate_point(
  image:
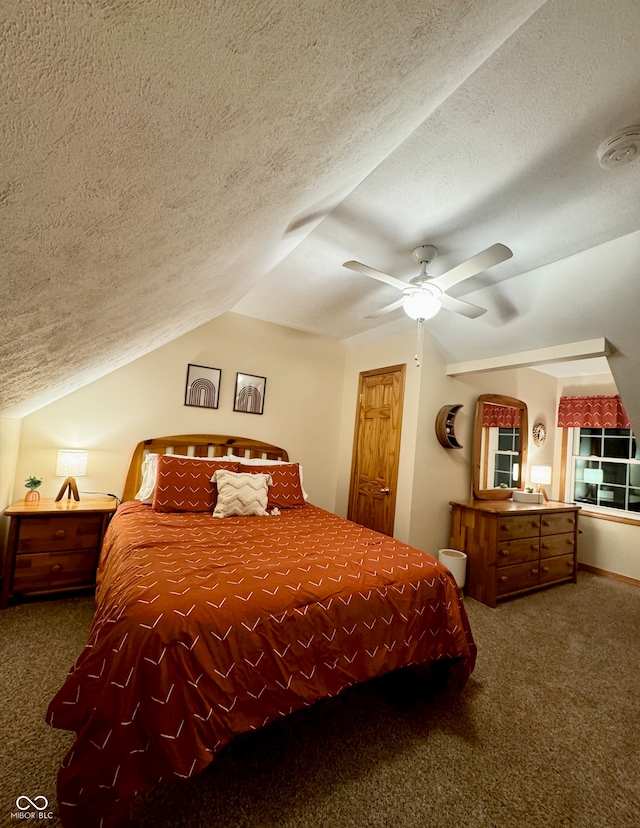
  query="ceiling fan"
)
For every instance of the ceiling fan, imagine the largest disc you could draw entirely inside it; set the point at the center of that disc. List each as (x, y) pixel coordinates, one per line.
(424, 295)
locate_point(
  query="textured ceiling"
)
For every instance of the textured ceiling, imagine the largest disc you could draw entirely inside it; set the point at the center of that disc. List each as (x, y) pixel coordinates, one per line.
(164, 162)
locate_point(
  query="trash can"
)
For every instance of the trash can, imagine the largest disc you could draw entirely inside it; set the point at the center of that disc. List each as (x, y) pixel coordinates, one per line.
(456, 563)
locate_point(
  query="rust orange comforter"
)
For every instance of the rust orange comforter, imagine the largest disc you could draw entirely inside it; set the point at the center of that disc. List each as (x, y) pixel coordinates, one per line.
(206, 628)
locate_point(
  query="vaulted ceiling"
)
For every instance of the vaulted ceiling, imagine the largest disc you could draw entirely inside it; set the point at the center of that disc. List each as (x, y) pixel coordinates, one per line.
(166, 162)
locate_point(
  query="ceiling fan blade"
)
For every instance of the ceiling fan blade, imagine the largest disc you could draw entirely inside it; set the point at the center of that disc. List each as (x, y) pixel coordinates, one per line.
(387, 309)
(463, 308)
(476, 264)
(376, 274)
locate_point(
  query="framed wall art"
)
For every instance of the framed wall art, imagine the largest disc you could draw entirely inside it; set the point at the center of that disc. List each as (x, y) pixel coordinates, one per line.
(249, 396)
(203, 386)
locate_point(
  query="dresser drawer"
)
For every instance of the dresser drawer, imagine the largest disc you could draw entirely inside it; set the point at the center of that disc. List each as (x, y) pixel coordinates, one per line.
(523, 526)
(54, 570)
(552, 545)
(517, 551)
(556, 523)
(515, 578)
(553, 569)
(48, 534)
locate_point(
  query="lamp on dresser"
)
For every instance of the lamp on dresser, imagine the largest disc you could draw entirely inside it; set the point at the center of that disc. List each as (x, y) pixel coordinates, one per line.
(541, 475)
(71, 463)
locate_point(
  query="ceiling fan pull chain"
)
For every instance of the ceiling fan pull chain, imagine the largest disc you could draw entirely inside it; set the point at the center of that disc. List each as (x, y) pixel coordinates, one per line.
(418, 343)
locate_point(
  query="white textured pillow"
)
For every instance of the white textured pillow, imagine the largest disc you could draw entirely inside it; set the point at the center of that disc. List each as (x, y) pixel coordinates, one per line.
(256, 461)
(148, 484)
(241, 494)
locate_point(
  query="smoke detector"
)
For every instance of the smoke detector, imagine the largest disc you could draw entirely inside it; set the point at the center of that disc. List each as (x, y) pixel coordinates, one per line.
(619, 149)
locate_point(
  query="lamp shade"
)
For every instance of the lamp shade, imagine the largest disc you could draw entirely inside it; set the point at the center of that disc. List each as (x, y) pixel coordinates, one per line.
(71, 463)
(541, 474)
(421, 304)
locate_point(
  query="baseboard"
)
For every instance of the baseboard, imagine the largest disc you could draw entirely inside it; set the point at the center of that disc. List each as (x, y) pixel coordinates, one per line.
(605, 573)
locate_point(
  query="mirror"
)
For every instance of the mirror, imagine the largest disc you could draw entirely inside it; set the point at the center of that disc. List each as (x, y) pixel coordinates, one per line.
(499, 446)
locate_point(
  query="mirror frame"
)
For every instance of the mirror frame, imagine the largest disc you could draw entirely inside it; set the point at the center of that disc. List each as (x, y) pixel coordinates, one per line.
(497, 399)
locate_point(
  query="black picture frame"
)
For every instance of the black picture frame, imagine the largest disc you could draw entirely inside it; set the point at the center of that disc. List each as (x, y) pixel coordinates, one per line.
(202, 389)
(249, 394)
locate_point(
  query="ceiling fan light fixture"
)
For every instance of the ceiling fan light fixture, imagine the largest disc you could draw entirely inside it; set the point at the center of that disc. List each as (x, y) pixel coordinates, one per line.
(421, 304)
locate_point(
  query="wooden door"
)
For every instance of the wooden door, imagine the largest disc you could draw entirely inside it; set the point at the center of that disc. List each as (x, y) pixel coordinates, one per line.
(376, 448)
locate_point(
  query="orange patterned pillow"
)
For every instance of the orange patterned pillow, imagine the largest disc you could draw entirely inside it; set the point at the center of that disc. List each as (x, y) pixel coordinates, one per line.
(183, 484)
(285, 491)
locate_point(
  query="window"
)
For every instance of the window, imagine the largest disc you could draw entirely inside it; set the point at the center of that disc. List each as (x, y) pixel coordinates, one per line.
(604, 469)
(505, 455)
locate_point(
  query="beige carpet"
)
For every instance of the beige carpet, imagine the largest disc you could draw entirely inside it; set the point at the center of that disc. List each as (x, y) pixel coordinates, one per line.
(546, 733)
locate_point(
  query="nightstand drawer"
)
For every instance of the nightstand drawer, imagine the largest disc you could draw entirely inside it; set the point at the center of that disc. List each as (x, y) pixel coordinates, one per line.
(523, 526)
(54, 570)
(47, 534)
(552, 569)
(518, 551)
(552, 545)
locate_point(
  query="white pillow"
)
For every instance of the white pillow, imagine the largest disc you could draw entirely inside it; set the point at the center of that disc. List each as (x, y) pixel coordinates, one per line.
(148, 484)
(241, 493)
(256, 461)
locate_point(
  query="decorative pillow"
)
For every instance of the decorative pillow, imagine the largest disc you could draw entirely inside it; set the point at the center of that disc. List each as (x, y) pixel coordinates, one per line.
(148, 484)
(286, 490)
(183, 484)
(241, 494)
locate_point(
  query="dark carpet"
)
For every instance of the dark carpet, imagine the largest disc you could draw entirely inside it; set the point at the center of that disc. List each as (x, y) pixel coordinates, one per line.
(546, 732)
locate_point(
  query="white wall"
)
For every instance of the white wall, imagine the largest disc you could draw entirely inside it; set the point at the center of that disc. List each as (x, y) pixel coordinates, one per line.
(9, 444)
(146, 399)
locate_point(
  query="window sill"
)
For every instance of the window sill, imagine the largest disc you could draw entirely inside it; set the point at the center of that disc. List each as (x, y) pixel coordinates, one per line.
(614, 518)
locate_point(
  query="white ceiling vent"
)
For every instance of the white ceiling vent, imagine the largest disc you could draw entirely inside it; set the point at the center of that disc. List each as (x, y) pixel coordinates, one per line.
(621, 148)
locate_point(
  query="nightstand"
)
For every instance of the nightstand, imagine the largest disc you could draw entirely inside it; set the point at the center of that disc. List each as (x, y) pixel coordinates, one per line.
(53, 546)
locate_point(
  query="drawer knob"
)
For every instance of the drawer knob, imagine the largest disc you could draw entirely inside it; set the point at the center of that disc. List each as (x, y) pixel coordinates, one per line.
(544, 545)
(534, 525)
(546, 523)
(534, 571)
(56, 568)
(504, 553)
(60, 534)
(504, 527)
(502, 579)
(545, 568)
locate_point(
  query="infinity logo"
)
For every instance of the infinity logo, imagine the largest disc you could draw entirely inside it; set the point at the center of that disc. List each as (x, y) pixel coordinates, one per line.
(40, 803)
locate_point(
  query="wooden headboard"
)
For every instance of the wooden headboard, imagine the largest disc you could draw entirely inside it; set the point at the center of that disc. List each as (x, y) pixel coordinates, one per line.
(196, 445)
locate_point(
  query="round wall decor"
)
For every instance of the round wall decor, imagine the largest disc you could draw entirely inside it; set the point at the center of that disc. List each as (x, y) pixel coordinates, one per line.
(539, 433)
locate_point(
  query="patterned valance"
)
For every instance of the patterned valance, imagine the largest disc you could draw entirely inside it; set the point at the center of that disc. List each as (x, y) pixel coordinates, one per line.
(500, 416)
(592, 412)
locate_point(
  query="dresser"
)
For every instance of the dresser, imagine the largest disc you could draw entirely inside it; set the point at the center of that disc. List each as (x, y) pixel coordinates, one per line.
(513, 548)
(53, 546)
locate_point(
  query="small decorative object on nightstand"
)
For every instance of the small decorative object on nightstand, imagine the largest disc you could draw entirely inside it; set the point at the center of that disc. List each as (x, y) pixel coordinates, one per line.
(32, 483)
(53, 546)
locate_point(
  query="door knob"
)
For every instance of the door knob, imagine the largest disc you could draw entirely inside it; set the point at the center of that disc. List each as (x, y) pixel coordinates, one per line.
(384, 491)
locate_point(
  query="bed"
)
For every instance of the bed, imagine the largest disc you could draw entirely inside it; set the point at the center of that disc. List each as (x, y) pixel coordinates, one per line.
(209, 627)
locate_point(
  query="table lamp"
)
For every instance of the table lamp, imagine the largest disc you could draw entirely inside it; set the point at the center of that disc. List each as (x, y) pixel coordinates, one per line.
(542, 476)
(71, 463)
